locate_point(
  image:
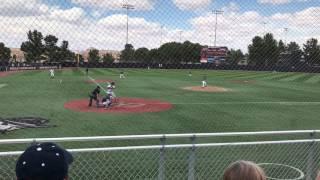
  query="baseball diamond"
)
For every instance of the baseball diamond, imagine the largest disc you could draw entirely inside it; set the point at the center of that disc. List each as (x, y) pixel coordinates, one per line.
(158, 102)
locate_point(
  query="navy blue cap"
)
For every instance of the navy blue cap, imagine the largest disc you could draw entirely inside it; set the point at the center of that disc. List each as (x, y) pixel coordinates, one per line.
(45, 161)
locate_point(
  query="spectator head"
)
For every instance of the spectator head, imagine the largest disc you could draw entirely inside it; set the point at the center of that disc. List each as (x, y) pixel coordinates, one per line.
(244, 170)
(46, 161)
(318, 176)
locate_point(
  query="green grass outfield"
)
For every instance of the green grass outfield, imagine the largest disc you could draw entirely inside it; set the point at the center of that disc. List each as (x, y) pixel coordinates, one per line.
(271, 101)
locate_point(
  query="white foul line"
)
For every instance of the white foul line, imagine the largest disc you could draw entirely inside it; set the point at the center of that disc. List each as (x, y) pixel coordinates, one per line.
(97, 84)
(288, 103)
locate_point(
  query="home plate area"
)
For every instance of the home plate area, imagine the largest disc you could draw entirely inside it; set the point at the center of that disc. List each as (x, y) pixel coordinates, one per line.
(121, 105)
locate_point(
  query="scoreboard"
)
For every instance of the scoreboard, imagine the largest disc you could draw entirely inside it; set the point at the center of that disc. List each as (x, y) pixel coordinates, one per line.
(213, 54)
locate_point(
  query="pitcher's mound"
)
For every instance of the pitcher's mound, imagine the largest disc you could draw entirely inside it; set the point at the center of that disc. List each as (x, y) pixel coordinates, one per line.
(206, 89)
(122, 105)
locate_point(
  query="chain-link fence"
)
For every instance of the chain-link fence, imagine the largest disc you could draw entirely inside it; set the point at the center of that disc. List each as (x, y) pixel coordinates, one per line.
(266, 35)
(282, 159)
(102, 39)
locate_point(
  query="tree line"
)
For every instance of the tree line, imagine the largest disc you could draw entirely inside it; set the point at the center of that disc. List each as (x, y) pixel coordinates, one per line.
(94, 57)
(266, 51)
(262, 51)
(39, 47)
(172, 52)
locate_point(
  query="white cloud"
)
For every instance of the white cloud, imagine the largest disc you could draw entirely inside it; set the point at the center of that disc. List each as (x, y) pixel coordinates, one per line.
(71, 15)
(274, 2)
(96, 14)
(81, 32)
(277, 2)
(307, 17)
(192, 4)
(115, 4)
(22, 7)
(236, 30)
(232, 7)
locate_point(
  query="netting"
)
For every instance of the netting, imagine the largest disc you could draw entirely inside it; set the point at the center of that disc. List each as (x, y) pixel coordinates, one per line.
(279, 161)
(178, 67)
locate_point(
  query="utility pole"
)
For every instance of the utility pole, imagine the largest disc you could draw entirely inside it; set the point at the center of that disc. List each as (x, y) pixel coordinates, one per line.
(216, 12)
(127, 6)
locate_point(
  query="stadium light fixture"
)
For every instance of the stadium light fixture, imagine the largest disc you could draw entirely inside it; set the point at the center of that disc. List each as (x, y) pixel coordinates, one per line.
(128, 7)
(216, 12)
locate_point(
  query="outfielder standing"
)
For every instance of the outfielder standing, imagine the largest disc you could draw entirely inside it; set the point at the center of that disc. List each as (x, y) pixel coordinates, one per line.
(87, 71)
(122, 75)
(51, 73)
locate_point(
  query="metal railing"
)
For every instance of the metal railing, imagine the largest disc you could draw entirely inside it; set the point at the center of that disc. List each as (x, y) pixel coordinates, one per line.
(281, 159)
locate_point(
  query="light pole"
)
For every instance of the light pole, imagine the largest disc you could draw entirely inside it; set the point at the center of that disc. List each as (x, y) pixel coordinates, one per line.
(180, 33)
(285, 35)
(127, 6)
(161, 35)
(264, 28)
(216, 12)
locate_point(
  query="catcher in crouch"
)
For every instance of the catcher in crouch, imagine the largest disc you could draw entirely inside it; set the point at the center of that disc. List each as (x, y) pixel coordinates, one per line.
(110, 96)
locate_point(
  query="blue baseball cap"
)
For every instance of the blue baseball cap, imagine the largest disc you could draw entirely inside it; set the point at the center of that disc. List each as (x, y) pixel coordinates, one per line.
(45, 161)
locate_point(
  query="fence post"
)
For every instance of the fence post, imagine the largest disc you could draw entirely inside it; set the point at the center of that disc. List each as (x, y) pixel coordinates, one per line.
(192, 159)
(311, 168)
(161, 175)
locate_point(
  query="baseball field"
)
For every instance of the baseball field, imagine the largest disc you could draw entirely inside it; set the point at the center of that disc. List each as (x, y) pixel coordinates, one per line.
(164, 101)
(161, 101)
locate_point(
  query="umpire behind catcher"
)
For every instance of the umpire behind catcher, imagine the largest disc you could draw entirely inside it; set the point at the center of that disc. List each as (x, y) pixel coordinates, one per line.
(94, 96)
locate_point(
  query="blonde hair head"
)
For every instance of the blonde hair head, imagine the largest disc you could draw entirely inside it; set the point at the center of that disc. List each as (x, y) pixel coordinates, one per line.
(244, 170)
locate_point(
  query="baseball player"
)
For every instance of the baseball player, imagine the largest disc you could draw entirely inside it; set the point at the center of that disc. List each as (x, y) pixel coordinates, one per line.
(51, 73)
(94, 96)
(122, 75)
(110, 92)
(87, 71)
(106, 101)
(204, 81)
(190, 73)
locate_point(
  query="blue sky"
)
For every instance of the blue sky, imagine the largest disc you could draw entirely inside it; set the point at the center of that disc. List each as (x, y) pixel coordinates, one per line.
(167, 13)
(102, 23)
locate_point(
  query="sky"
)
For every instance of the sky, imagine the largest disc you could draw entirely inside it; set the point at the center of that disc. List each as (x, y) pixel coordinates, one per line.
(102, 24)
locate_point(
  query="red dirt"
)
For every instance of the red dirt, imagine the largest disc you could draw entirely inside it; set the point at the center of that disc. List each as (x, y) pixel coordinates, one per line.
(7, 73)
(122, 105)
(100, 81)
(206, 89)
